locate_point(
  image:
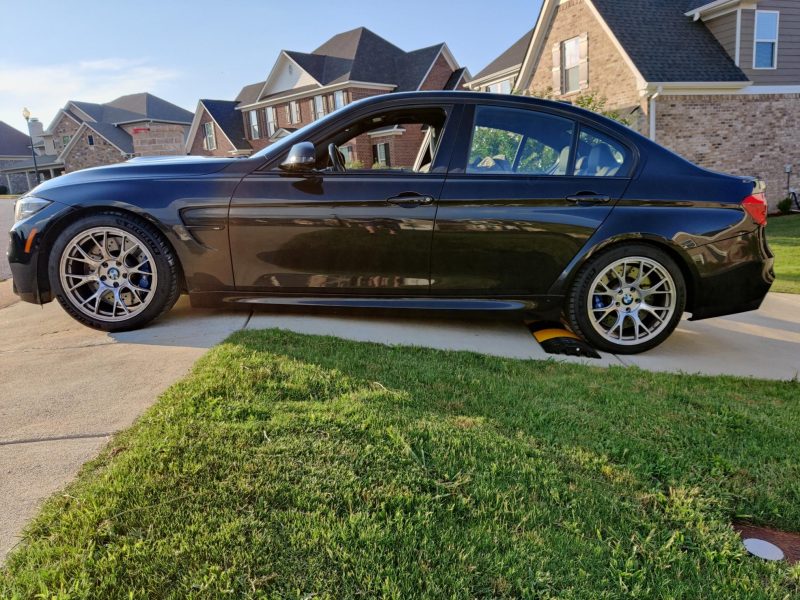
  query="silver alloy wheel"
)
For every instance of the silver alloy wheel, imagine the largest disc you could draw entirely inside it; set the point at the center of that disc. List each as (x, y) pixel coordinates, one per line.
(108, 274)
(632, 300)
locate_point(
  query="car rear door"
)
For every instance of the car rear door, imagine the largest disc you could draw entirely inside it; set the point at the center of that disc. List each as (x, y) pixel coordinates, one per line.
(525, 191)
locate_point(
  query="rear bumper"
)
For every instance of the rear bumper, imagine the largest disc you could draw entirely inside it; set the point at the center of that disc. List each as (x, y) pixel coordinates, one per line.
(27, 241)
(734, 275)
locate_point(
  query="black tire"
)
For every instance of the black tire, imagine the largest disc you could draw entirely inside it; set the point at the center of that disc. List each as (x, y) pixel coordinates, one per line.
(578, 304)
(166, 267)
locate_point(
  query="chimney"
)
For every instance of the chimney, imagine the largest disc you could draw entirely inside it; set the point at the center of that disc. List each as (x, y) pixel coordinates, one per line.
(36, 129)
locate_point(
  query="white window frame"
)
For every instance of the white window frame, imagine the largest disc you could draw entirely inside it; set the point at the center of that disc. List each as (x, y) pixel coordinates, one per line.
(293, 111)
(253, 125)
(318, 104)
(210, 136)
(272, 120)
(500, 87)
(339, 99)
(757, 40)
(565, 68)
(381, 146)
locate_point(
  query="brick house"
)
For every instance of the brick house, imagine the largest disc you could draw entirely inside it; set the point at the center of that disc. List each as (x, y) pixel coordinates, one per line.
(85, 134)
(717, 81)
(15, 149)
(303, 87)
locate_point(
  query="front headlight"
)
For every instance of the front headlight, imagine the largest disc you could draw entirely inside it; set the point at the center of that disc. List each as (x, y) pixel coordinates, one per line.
(27, 206)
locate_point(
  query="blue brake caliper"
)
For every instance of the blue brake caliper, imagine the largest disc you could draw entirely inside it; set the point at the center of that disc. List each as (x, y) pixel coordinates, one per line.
(144, 280)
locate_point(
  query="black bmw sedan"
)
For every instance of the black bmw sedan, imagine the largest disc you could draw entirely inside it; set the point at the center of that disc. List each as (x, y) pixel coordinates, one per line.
(430, 200)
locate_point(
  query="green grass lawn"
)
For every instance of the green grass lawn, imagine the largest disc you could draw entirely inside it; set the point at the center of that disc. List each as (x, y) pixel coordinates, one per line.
(783, 234)
(290, 466)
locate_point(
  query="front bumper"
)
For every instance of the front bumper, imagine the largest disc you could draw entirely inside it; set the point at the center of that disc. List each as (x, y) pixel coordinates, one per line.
(28, 239)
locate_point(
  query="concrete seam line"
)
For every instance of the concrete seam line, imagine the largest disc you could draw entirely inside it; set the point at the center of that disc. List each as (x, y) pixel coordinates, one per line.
(247, 321)
(56, 438)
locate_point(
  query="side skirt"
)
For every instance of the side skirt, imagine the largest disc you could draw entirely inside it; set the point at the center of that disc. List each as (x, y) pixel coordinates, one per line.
(539, 305)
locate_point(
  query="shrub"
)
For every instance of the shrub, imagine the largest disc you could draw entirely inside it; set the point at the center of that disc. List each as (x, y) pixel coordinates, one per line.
(785, 206)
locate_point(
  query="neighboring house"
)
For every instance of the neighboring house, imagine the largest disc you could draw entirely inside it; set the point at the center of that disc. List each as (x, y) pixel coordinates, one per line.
(15, 149)
(303, 87)
(85, 134)
(500, 75)
(716, 81)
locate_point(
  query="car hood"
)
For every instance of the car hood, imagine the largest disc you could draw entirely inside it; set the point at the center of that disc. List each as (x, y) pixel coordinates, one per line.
(141, 168)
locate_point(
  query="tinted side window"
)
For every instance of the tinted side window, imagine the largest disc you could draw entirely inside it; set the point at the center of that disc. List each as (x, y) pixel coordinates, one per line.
(600, 155)
(517, 141)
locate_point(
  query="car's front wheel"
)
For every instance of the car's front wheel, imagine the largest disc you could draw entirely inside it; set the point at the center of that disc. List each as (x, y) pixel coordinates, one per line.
(627, 300)
(113, 272)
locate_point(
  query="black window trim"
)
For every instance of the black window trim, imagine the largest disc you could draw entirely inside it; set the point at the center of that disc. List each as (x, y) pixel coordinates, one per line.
(454, 114)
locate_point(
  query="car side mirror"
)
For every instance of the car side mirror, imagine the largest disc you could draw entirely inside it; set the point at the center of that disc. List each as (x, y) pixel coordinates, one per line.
(301, 158)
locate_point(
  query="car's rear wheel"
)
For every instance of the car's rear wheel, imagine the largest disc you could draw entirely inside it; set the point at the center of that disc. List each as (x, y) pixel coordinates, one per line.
(113, 272)
(627, 300)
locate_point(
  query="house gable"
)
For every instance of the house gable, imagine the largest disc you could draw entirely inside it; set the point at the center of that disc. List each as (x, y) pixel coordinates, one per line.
(611, 73)
(286, 75)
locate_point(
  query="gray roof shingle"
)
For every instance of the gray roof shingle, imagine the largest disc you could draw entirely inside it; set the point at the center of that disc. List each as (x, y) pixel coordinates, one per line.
(13, 142)
(359, 55)
(512, 57)
(229, 120)
(250, 93)
(667, 46)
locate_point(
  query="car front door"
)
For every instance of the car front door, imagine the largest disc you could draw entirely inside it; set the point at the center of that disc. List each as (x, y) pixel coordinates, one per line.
(364, 229)
(526, 190)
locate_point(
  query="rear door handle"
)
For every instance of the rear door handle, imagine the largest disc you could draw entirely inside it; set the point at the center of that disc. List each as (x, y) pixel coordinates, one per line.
(410, 199)
(589, 199)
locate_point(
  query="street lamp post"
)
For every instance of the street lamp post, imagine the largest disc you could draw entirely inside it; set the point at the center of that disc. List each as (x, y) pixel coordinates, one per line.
(27, 114)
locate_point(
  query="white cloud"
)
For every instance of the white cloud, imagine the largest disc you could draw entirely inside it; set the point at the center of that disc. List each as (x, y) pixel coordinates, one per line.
(44, 89)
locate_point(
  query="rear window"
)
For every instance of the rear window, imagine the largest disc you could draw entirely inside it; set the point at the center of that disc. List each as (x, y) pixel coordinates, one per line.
(600, 155)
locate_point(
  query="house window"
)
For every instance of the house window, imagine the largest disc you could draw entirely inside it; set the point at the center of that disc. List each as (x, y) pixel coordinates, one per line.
(272, 120)
(65, 139)
(571, 65)
(90, 139)
(501, 87)
(210, 137)
(347, 152)
(319, 107)
(339, 100)
(380, 155)
(254, 133)
(293, 112)
(765, 55)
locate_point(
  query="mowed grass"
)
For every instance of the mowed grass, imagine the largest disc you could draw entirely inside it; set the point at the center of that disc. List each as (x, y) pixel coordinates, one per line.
(783, 235)
(290, 466)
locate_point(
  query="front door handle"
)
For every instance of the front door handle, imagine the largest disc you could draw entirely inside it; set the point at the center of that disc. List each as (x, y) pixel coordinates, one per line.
(588, 198)
(410, 199)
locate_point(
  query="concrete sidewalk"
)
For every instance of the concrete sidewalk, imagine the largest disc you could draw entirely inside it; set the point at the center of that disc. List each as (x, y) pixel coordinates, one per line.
(64, 389)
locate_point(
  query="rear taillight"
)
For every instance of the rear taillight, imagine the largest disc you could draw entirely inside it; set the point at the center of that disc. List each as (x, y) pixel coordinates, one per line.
(756, 207)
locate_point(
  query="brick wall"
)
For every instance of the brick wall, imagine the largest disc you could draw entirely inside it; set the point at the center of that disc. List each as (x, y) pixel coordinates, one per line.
(440, 73)
(82, 155)
(224, 147)
(65, 126)
(157, 139)
(755, 135)
(609, 75)
(16, 183)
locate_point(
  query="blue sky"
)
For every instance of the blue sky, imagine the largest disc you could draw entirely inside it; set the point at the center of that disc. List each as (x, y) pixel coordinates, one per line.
(96, 50)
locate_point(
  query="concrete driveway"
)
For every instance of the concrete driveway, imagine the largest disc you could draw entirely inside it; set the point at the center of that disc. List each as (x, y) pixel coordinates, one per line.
(64, 388)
